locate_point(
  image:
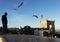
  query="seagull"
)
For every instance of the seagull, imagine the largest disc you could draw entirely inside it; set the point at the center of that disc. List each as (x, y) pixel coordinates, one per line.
(41, 16)
(20, 4)
(35, 16)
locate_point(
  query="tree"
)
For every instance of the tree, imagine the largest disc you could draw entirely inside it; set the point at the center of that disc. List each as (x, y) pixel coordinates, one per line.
(28, 30)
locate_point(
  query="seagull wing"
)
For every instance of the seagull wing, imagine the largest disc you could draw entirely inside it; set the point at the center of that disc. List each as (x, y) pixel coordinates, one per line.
(35, 16)
(20, 4)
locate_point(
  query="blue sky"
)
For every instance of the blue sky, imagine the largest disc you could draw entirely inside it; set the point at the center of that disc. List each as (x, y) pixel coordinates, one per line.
(50, 9)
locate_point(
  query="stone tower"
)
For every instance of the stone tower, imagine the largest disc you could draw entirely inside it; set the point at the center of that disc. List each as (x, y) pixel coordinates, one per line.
(49, 25)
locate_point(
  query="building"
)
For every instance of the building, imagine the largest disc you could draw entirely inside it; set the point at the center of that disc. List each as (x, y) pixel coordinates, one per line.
(48, 25)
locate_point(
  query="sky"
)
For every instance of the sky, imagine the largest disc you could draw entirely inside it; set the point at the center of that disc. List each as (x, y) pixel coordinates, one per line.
(50, 9)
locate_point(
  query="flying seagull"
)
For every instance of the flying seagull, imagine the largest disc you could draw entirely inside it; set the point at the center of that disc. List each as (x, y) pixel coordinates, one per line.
(20, 4)
(35, 16)
(41, 16)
